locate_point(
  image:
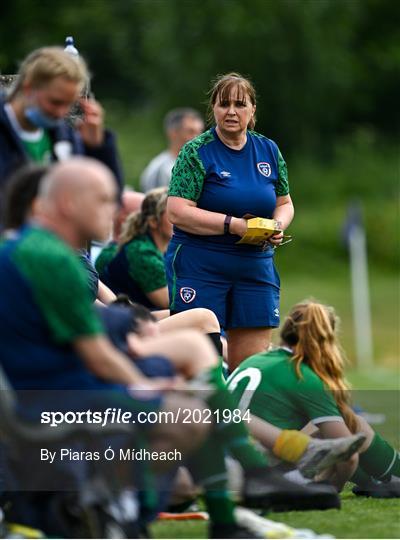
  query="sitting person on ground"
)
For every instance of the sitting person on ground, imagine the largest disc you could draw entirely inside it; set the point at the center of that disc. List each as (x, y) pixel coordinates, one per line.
(180, 126)
(52, 338)
(303, 382)
(138, 267)
(131, 201)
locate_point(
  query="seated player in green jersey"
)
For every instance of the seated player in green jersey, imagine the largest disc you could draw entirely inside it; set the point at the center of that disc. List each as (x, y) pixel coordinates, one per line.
(303, 381)
(138, 267)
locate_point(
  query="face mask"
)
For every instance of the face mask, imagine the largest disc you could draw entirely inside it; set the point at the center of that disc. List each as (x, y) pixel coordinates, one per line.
(38, 118)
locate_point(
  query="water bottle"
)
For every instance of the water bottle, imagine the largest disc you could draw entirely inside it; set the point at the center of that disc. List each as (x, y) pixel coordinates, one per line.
(70, 47)
(76, 111)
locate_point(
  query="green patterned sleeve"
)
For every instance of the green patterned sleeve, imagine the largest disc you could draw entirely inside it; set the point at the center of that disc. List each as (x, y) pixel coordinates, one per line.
(146, 266)
(105, 256)
(188, 174)
(60, 289)
(282, 186)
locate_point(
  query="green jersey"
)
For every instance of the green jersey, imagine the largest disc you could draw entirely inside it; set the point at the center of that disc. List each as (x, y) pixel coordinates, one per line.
(136, 270)
(268, 385)
(105, 256)
(39, 148)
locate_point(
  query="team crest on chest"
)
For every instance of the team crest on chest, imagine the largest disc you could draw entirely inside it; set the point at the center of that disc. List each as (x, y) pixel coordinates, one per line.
(264, 168)
(187, 294)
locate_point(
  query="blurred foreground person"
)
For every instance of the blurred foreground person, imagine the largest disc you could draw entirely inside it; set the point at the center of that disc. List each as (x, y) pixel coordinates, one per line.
(53, 341)
(21, 207)
(77, 201)
(180, 126)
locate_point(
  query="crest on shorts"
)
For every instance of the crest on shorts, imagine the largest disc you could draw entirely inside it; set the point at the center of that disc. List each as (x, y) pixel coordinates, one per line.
(187, 294)
(264, 168)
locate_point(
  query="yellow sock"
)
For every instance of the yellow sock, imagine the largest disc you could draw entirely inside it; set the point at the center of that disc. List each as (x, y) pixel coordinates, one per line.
(291, 445)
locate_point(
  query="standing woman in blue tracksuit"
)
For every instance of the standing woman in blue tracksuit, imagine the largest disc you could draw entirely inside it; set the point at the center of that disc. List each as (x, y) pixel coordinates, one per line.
(219, 177)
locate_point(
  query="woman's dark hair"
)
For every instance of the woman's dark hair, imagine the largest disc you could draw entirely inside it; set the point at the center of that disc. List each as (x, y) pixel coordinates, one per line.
(21, 189)
(138, 312)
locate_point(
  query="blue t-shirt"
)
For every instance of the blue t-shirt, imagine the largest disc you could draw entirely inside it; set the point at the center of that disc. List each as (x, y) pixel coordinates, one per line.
(233, 182)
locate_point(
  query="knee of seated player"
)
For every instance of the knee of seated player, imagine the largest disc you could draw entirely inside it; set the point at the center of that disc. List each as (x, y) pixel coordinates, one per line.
(204, 320)
(367, 430)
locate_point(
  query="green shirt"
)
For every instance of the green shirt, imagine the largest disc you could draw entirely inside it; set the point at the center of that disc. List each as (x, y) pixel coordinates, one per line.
(267, 384)
(146, 264)
(136, 270)
(40, 149)
(58, 283)
(105, 256)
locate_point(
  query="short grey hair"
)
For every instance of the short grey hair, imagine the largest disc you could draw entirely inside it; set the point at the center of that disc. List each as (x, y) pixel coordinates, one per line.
(173, 119)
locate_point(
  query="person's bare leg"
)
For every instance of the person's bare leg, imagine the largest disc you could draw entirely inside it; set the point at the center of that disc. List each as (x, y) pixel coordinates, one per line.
(200, 319)
(367, 430)
(338, 473)
(244, 342)
(188, 350)
(161, 314)
(263, 431)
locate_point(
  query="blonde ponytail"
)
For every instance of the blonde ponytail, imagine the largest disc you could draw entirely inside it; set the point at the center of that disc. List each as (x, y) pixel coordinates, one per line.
(310, 329)
(137, 223)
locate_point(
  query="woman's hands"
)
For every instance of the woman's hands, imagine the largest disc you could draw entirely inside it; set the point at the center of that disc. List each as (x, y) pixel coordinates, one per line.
(91, 127)
(277, 238)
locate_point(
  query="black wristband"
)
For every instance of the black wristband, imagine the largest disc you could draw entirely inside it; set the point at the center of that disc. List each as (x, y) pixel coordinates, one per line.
(227, 223)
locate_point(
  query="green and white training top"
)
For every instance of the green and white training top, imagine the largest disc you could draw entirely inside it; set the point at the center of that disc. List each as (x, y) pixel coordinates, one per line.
(267, 384)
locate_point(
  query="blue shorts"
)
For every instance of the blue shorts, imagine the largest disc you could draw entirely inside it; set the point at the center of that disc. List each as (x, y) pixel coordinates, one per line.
(242, 290)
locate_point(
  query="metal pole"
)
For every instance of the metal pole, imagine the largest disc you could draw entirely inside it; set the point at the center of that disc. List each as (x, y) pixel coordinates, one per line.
(360, 295)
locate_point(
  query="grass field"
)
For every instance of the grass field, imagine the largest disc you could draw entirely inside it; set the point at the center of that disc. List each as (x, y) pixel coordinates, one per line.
(332, 286)
(359, 517)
